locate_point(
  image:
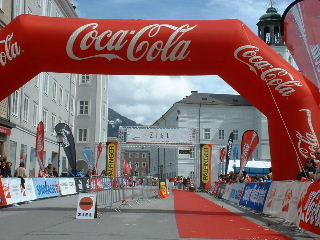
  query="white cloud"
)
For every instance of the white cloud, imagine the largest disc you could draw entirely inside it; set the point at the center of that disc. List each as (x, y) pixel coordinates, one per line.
(145, 98)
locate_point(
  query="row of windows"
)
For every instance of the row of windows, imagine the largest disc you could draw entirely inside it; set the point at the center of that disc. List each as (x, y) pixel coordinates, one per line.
(85, 80)
(82, 110)
(221, 135)
(48, 7)
(26, 106)
(137, 155)
(83, 134)
(57, 92)
(137, 164)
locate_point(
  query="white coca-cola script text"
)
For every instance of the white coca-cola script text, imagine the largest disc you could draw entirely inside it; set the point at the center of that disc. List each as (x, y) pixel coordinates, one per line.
(108, 43)
(307, 142)
(11, 50)
(280, 78)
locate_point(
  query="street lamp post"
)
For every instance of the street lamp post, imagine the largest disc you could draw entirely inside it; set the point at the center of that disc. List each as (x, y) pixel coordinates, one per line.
(59, 141)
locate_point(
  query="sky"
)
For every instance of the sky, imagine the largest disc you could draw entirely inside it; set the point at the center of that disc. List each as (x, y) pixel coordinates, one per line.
(145, 99)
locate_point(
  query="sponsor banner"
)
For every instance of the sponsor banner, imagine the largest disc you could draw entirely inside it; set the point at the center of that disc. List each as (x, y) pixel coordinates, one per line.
(14, 193)
(310, 219)
(249, 143)
(205, 163)
(183, 136)
(284, 200)
(46, 187)
(3, 201)
(40, 144)
(67, 143)
(300, 26)
(127, 168)
(235, 152)
(236, 192)
(67, 186)
(229, 148)
(30, 192)
(82, 184)
(96, 184)
(99, 151)
(227, 191)
(86, 208)
(88, 156)
(221, 190)
(107, 183)
(112, 159)
(254, 195)
(216, 188)
(5, 130)
(275, 197)
(163, 189)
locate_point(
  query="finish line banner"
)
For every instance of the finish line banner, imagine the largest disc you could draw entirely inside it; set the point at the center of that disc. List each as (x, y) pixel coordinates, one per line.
(205, 163)
(112, 159)
(179, 136)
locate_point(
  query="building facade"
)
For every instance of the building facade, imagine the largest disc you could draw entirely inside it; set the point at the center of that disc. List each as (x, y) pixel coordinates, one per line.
(91, 120)
(139, 161)
(214, 116)
(49, 97)
(54, 98)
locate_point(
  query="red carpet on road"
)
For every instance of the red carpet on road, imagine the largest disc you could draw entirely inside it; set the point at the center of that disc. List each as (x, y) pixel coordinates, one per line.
(198, 217)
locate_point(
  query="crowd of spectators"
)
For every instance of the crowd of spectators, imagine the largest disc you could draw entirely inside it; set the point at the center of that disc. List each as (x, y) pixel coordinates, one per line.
(234, 177)
(5, 168)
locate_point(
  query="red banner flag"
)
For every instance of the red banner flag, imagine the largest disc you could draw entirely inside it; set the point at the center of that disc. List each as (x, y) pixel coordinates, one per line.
(249, 143)
(40, 145)
(300, 30)
(222, 154)
(100, 148)
(127, 168)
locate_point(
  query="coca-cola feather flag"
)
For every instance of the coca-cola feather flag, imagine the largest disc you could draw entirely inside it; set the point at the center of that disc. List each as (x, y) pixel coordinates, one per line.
(249, 143)
(229, 148)
(40, 145)
(68, 143)
(100, 149)
(300, 29)
(127, 168)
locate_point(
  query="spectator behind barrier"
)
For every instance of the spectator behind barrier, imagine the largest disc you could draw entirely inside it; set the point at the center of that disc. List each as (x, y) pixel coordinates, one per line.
(21, 173)
(309, 168)
(316, 175)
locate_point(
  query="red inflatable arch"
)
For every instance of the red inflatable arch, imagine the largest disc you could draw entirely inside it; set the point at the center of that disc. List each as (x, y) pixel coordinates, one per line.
(228, 48)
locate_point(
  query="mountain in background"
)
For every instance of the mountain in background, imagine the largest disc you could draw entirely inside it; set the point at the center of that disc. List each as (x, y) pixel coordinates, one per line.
(115, 120)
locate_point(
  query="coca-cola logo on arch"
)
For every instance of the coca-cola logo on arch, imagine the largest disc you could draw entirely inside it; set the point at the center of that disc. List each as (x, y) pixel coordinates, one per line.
(88, 41)
(278, 78)
(11, 50)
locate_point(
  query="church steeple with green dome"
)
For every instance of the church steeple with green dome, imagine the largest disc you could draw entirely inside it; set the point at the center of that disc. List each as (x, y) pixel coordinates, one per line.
(269, 27)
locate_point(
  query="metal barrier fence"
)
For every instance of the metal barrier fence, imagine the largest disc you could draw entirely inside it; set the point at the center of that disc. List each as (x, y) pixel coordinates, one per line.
(117, 192)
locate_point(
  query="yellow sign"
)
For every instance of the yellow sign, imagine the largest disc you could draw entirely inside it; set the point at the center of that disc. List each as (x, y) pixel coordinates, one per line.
(163, 190)
(206, 158)
(111, 159)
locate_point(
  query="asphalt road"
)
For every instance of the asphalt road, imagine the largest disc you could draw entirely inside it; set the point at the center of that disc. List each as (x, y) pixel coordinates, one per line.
(151, 220)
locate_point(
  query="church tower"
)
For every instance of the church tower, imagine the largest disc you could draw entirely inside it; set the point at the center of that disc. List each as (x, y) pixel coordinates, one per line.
(269, 32)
